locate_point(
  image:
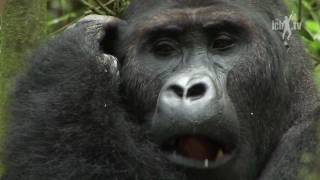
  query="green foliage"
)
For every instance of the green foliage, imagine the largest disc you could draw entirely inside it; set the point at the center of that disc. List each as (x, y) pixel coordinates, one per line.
(312, 26)
(62, 13)
(21, 29)
(308, 12)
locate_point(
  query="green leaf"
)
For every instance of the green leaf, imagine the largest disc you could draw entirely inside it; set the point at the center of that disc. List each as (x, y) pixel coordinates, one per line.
(313, 27)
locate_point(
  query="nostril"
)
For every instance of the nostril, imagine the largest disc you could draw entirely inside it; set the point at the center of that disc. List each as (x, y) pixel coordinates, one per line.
(177, 90)
(196, 91)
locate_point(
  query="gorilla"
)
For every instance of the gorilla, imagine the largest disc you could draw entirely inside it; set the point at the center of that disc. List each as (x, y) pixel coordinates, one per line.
(175, 89)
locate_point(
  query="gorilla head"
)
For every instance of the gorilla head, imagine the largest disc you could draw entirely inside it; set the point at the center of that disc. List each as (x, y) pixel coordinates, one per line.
(204, 89)
(217, 86)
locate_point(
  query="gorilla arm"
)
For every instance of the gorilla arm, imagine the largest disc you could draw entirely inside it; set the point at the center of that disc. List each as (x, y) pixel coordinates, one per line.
(287, 161)
(67, 119)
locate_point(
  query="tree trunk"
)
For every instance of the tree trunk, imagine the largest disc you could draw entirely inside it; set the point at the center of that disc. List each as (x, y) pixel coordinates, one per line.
(22, 26)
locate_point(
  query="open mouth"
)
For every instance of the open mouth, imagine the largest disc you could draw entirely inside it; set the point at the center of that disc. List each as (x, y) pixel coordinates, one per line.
(196, 151)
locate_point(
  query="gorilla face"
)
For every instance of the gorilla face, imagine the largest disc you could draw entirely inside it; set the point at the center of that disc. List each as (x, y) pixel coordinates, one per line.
(206, 86)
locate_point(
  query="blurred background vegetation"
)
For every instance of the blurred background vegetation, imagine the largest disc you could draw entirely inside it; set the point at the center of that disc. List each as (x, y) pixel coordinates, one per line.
(308, 12)
(61, 13)
(25, 23)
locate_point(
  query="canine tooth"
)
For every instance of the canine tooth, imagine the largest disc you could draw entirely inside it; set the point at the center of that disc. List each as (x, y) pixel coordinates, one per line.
(220, 154)
(174, 153)
(206, 163)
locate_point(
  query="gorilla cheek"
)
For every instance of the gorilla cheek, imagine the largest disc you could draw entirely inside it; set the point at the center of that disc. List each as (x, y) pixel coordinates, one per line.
(140, 89)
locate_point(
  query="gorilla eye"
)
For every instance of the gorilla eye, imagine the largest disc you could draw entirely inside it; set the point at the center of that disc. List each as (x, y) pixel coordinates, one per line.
(223, 42)
(164, 48)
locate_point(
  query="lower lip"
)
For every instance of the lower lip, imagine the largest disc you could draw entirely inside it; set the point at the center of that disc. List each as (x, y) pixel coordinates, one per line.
(191, 163)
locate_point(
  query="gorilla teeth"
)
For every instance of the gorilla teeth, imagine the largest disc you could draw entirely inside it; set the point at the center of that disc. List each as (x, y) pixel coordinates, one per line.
(220, 154)
(206, 163)
(175, 154)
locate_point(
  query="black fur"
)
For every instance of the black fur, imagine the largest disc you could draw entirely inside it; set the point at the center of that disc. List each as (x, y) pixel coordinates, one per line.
(69, 123)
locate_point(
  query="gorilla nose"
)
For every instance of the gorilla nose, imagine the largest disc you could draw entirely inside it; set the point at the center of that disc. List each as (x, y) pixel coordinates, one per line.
(194, 92)
(184, 90)
(188, 96)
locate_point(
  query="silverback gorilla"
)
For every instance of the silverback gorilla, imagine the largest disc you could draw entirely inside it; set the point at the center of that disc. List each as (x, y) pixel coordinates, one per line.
(177, 89)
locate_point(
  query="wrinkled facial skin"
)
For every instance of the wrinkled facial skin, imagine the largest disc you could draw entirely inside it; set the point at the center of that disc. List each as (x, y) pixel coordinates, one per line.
(234, 57)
